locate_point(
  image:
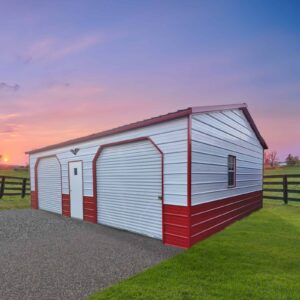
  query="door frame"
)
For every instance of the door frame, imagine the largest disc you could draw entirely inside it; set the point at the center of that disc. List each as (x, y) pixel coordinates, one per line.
(128, 141)
(36, 180)
(69, 185)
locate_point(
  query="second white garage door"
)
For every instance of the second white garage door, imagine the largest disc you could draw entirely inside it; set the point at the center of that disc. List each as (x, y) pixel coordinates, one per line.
(49, 185)
(129, 188)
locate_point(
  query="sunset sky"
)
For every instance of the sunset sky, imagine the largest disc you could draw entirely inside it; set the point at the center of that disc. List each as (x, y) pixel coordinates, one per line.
(71, 68)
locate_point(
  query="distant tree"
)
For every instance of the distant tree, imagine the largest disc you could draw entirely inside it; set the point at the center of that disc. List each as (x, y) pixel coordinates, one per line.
(266, 161)
(271, 159)
(292, 160)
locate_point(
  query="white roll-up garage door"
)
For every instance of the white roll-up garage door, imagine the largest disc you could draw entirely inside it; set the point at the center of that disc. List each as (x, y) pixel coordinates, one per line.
(49, 185)
(129, 188)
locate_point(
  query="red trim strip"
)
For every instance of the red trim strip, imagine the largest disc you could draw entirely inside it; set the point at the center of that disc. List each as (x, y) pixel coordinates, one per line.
(211, 217)
(185, 226)
(34, 203)
(66, 205)
(89, 209)
(177, 225)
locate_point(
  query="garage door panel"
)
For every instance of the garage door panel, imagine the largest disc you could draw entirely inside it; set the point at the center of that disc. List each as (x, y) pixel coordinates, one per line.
(129, 184)
(130, 158)
(130, 168)
(125, 215)
(49, 185)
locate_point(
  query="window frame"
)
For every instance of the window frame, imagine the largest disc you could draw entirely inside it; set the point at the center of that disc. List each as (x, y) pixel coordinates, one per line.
(231, 171)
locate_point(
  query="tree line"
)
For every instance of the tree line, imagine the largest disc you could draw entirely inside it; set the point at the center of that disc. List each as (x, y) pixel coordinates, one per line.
(272, 160)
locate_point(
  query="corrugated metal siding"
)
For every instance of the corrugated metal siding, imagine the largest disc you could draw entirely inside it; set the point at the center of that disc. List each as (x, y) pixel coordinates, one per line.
(215, 136)
(211, 217)
(129, 182)
(49, 185)
(171, 137)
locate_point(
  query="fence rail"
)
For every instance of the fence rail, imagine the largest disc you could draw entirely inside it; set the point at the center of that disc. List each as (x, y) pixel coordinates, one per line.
(281, 187)
(14, 186)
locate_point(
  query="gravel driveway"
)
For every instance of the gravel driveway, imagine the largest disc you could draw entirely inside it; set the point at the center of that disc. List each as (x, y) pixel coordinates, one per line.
(46, 256)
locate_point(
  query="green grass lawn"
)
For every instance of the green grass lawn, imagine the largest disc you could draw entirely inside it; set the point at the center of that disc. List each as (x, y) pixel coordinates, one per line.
(283, 170)
(255, 258)
(14, 173)
(14, 202)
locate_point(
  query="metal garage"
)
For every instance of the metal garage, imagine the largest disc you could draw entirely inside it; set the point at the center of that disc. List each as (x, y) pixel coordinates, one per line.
(178, 177)
(129, 188)
(49, 184)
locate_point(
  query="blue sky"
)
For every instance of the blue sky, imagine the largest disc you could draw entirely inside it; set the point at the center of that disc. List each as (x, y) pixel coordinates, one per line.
(69, 68)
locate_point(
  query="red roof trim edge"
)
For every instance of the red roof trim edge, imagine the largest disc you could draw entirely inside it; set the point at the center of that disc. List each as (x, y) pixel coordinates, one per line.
(140, 124)
(163, 118)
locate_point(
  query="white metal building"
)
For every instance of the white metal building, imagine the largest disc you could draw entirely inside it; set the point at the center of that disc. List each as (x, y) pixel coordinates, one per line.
(178, 177)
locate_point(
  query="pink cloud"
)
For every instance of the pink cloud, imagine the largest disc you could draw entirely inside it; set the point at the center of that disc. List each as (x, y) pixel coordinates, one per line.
(51, 49)
(58, 112)
(5, 117)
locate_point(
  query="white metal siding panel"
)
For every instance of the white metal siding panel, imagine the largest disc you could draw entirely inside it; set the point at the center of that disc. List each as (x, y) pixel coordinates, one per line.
(129, 179)
(171, 137)
(216, 135)
(49, 185)
(32, 161)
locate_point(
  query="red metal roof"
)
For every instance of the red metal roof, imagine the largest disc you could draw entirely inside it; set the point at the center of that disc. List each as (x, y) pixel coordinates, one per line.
(163, 118)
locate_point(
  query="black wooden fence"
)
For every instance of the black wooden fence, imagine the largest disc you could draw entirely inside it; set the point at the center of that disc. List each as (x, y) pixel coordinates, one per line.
(282, 187)
(14, 186)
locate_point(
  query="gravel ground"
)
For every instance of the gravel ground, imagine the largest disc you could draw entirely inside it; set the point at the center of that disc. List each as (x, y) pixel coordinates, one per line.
(46, 256)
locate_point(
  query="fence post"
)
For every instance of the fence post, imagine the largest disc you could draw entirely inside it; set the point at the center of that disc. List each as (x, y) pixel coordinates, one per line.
(285, 189)
(2, 187)
(24, 187)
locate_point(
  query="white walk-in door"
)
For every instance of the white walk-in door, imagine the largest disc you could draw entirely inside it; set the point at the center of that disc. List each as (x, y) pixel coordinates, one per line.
(76, 189)
(49, 185)
(129, 188)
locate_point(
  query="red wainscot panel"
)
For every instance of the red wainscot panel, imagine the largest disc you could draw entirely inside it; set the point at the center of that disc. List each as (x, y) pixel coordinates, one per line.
(66, 208)
(176, 226)
(211, 217)
(89, 209)
(34, 200)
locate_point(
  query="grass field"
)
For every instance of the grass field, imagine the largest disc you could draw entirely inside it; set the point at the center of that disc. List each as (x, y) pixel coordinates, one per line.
(19, 173)
(13, 202)
(283, 170)
(255, 258)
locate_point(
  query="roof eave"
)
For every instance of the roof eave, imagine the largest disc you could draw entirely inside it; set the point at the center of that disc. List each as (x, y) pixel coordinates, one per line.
(140, 124)
(155, 120)
(212, 108)
(254, 127)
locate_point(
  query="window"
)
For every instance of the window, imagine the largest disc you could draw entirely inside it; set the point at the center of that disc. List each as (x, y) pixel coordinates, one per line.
(231, 171)
(75, 171)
